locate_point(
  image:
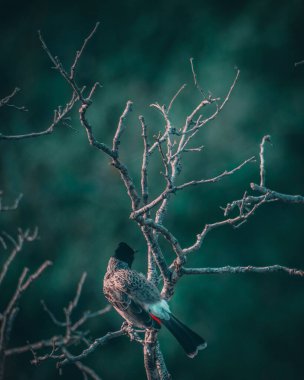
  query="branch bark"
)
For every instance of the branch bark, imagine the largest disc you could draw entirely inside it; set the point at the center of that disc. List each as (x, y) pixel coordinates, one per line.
(232, 269)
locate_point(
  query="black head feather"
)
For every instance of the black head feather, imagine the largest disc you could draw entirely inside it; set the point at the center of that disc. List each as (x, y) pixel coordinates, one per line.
(125, 253)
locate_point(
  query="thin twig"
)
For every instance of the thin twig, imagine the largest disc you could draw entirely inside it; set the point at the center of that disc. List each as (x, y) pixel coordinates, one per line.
(59, 116)
(174, 97)
(196, 84)
(6, 101)
(145, 162)
(97, 342)
(35, 275)
(87, 371)
(79, 52)
(121, 127)
(14, 206)
(51, 315)
(262, 160)
(232, 221)
(88, 315)
(214, 179)
(299, 63)
(73, 304)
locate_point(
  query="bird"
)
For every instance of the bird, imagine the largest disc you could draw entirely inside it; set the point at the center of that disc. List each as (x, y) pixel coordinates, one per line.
(140, 303)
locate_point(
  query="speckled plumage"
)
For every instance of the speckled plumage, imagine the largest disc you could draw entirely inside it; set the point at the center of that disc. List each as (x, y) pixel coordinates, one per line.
(130, 293)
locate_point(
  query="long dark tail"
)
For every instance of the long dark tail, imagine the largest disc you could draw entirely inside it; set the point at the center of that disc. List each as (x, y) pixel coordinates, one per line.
(188, 339)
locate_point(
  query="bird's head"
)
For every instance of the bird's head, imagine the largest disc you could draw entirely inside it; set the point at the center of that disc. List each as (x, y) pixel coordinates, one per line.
(125, 253)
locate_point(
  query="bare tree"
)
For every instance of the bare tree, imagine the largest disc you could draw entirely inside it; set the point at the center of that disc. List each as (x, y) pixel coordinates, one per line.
(57, 345)
(8, 315)
(171, 144)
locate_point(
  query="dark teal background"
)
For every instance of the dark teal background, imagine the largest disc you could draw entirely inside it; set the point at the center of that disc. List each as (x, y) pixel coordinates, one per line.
(253, 323)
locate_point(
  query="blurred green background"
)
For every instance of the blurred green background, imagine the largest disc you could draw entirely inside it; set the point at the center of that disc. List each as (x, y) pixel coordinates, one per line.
(253, 323)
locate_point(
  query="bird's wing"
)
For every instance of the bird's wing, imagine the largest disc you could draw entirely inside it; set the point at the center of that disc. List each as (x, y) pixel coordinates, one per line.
(117, 298)
(136, 286)
(119, 295)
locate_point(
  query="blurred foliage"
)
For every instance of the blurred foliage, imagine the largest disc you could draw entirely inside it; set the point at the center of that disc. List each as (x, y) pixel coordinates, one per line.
(253, 323)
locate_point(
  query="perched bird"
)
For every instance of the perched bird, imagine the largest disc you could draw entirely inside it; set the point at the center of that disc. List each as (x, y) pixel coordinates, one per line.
(139, 301)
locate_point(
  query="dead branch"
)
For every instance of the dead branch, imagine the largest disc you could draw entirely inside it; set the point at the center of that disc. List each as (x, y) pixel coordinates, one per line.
(14, 206)
(60, 115)
(87, 371)
(236, 222)
(121, 127)
(262, 161)
(268, 194)
(175, 97)
(214, 179)
(80, 52)
(10, 312)
(73, 335)
(230, 269)
(6, 101)
(22, 237)
(97, 342)
(276, 196)
(196, 84)
(299, 63)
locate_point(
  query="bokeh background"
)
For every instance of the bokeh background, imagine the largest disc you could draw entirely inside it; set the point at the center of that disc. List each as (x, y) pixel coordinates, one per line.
(253, 323)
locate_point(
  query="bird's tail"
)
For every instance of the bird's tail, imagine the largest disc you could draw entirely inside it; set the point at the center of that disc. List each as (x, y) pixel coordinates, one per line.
(188, 339)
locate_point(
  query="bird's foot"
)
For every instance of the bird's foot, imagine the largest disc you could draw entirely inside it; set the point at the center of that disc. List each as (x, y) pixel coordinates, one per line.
(125, 326)
(132, 334)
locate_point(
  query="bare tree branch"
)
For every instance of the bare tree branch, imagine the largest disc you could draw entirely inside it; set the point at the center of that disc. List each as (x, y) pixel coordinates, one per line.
(231, 221)
(58, 339)
(59, 343)
(121, 127)
(6, 101)
(97, 342)
(88, 315)
(79, 52)
(52, 316)
(262, 160)
(175, 97)
(92, 140)
(17, 247)
(299, 63)
(275, 196)
(87, 371)
(196, 84)
(46, 343)
(9, 314)
(14, 206)
(215, 179)
(249, 268)
(161, 365)
(173, 188)
(150, 357)
(35, 275)
(59, 116)
(8, 263)
(85, 103)
(269, 195)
